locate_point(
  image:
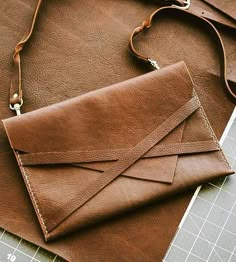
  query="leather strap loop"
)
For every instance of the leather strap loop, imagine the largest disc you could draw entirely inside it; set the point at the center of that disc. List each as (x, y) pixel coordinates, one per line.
(230, 91)
(16, 93)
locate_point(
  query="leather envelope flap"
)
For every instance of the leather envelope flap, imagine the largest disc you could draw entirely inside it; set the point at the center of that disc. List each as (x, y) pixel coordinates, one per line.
(112, 119)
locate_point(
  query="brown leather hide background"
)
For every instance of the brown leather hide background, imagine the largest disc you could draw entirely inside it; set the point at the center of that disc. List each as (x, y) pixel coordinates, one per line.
(79, 46)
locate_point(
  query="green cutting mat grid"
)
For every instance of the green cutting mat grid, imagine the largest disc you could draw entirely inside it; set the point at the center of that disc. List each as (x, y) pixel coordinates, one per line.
(16, 249)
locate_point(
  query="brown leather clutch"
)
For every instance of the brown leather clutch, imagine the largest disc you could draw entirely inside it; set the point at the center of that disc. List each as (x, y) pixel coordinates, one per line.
(111, 150)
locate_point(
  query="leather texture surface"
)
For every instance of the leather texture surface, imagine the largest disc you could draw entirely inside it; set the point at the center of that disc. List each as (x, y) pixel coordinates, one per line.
(220, 16)
(80, 46)
(227, 7)
(138, 115)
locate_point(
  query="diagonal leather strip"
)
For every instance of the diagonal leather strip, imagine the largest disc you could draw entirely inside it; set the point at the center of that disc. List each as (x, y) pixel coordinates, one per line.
(123, 163)
(16, 93)
(75, 157)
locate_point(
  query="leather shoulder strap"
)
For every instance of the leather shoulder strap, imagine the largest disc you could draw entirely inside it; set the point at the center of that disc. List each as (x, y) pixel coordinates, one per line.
(230, 91)
(16, 92)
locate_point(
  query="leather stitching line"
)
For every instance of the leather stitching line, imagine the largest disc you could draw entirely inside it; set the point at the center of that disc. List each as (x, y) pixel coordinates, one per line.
(33, 196)
(206, 121)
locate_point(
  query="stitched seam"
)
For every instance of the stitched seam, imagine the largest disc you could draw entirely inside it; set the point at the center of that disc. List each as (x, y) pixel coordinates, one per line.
(207, 124)
(33, 196)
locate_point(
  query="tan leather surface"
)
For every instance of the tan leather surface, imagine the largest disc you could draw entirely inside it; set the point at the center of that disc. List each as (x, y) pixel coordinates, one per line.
(228, 7)
(186, 9)
(70, 55)
(202, 8)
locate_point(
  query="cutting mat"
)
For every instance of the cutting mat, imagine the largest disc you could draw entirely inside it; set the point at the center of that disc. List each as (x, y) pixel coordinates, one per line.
(207, 231)
(15, 249)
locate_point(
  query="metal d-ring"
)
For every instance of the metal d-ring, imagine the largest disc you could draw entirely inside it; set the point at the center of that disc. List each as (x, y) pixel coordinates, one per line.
(187, 5)
(16, 107)
(154, 63)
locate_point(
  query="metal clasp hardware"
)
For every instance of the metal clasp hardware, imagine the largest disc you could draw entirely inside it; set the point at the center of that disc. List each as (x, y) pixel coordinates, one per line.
(187, 5)
(16, 107)
(154, 63)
